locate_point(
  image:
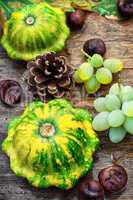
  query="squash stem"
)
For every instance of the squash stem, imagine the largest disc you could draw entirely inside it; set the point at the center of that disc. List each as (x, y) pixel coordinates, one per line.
(8, 11)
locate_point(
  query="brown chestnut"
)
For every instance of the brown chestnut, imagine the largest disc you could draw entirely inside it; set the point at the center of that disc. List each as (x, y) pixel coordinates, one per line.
(10, 92)
(75, 20)
(125, 7)
(94, 46)
(90, 190)
(113, 178)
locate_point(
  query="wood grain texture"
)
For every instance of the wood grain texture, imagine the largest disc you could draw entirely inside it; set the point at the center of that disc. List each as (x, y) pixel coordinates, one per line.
(119, 40)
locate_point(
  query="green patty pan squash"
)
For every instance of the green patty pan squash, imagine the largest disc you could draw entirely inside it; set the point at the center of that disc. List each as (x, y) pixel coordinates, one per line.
(33, 30)
(51, 144)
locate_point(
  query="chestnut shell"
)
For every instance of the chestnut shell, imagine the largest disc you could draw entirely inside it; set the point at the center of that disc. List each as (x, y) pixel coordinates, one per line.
(125, 7)
(10, 92)
(75, 20)
(93, 46)
(113, 178)
(90, 190)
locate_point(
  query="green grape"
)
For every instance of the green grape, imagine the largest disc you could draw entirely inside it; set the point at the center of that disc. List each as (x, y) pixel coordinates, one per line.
(116, 118)
(128, 125)
(85, 71)
(116, 135)
(112, 102)
(99, 104)
(92, 85)
(127, 108)
(96, 61)
(100, 122)
(127, 93)
(76, 77)
(104, 76)
(113, 64)
(116, 89)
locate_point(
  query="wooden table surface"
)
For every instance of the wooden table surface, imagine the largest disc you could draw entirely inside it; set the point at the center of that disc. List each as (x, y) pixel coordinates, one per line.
(119, 40)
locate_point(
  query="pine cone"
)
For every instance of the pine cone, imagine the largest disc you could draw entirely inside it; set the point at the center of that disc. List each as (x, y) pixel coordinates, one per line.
(49, 76)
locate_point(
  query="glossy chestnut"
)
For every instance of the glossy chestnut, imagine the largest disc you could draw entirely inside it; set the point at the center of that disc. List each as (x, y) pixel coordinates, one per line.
(10, 92)
(90, 190)
(76, 20)
(113, 178)
(125, 8)
(94, 46)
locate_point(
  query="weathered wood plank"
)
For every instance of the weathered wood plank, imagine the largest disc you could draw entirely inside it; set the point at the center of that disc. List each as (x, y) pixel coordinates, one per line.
(119, 40)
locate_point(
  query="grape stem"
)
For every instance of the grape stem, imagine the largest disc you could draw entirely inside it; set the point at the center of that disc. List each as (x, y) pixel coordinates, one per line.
(116, 159)
(87, 55)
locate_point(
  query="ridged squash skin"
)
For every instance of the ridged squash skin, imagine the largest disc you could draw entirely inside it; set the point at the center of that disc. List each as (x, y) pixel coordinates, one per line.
(55, 160)
(34, 30)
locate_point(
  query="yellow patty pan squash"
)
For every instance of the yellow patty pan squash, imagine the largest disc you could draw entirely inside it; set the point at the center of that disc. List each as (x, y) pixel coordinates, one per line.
(33, 30)
(51, 144)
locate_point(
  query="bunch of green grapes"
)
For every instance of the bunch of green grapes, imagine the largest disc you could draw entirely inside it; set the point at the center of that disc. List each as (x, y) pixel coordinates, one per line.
(97, 71)
(115, 112)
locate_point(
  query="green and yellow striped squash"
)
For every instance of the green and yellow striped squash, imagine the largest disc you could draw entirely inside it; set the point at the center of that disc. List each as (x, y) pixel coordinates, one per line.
(33, 30)
(51, 144)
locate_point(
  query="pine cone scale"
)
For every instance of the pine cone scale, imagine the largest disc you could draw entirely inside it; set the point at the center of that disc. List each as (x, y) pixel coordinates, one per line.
(41, 86)
(39, 79)
(31, 64)
(65, 82)
(31, 81)
(59, 94)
